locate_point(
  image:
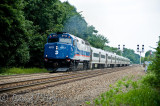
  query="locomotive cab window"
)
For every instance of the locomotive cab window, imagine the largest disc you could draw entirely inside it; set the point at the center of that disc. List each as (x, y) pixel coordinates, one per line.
(52, 40)
(65, 40)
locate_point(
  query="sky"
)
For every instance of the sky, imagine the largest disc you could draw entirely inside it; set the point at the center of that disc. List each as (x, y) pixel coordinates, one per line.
(123, 22)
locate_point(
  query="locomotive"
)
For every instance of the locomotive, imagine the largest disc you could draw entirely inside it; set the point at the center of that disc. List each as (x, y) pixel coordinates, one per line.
(64, 52)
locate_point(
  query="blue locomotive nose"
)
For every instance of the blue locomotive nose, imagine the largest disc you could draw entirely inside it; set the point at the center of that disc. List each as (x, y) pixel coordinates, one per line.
(57, 50)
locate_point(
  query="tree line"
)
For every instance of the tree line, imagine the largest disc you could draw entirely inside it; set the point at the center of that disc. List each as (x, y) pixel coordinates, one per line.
(25, 25)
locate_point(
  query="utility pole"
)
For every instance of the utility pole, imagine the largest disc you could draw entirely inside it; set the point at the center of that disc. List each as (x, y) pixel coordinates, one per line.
(140, 51)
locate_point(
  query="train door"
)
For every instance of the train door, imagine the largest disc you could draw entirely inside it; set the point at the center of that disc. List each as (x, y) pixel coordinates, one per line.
(99, 57)
(106, 59)
(111, 58)
(91, 55)
(75, 46)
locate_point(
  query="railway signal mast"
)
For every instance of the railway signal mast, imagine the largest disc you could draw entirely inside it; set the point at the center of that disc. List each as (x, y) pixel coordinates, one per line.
(140, 51)
(122, 49)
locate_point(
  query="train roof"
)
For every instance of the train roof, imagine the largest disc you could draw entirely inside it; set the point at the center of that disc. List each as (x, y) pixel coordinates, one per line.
(87, 43)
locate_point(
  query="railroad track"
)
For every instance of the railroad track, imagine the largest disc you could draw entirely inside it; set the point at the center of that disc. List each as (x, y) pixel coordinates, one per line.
(21, 75)
(52, 81)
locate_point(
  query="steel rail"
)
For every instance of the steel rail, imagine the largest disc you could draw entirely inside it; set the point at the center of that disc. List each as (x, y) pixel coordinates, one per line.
(73, 76)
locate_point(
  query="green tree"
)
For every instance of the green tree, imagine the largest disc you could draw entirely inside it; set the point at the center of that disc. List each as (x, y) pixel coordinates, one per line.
(113, 49)
(149, 56)
(129, 53)
(36, 47)
(14, 50)
(155, 67)
(76, 25)
(98, 41)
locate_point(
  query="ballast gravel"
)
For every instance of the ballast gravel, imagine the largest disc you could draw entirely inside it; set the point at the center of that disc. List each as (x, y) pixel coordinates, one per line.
(28, 77)
(74, 93)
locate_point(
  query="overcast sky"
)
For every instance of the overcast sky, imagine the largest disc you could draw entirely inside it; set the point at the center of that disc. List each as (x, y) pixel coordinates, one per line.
(124, 22)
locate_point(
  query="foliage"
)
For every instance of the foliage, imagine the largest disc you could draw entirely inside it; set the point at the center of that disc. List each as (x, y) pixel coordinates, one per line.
(36, 46)
(149, 56)
(14, 34)
(12, 71)
(25, 25)
(113, 49)
(98, 41)
(44, 14)
(150, 79)
(129, 53)
(155, 69)
(77, 26)
(129, 92)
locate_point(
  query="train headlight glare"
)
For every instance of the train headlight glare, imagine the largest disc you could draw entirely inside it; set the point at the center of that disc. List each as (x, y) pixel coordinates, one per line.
(56, 47)
(56, 52)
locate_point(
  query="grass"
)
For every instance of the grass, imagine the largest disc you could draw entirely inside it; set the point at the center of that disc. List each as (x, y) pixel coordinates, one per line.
(13, 71)
(128, 92)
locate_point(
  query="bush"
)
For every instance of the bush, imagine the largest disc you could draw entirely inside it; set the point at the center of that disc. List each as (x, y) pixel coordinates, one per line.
(128, 92)
(150, 79)
(153, 78)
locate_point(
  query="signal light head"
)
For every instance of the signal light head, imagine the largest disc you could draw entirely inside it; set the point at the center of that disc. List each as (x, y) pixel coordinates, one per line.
(118, 46)
(137, 48)
(142, 48)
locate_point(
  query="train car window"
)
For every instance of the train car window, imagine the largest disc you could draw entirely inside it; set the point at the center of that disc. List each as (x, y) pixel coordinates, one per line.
(65, 40)
(87, 43)
(74, 42)
(96, 55)
(52, 40)
(103, 56)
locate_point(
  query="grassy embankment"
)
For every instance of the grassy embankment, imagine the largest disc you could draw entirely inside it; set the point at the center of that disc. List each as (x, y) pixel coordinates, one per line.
(129, 92)
(13, 71)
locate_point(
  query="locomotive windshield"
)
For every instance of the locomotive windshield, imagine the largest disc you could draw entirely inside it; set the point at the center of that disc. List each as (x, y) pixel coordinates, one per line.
(65, 40)
(52, 40)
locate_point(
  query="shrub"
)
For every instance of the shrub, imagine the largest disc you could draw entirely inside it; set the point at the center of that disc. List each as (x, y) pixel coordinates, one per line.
(139, 93)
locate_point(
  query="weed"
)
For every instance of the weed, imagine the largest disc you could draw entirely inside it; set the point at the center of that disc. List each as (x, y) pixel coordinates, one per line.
(119, 83)
(139, 94)
(88, 102)
(134, 84)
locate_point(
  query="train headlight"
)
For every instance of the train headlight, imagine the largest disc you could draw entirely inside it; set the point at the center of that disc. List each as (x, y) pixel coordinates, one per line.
(56, 47)
(46, 55)
(56, 52)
